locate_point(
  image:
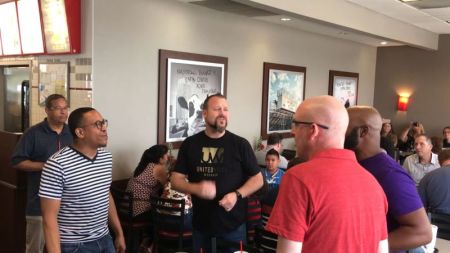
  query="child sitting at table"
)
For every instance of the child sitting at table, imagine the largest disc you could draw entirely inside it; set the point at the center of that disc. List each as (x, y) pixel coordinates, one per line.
(272, 173)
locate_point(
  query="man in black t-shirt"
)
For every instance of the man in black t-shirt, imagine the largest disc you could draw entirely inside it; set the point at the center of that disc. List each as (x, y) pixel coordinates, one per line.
(222, 170)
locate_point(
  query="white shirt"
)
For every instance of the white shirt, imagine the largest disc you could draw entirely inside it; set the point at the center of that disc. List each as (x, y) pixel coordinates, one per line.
(418, 170)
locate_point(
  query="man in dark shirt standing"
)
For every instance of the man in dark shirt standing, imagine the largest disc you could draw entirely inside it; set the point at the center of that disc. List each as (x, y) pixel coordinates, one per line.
(434, 188)
(222, 170)
(34, 148)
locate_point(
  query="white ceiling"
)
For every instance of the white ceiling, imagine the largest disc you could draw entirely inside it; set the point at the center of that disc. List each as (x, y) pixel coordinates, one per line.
(368, 22)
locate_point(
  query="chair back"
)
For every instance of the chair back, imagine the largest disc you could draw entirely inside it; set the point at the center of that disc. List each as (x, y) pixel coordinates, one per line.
(165, 213)
(265, 241)
(124, 204)
(442, 221)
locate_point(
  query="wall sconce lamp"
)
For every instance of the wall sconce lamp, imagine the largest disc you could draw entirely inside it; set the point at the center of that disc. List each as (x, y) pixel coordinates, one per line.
(402, 104)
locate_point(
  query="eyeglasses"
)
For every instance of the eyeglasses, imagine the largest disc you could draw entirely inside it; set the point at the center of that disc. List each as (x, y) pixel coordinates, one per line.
(296, 122)
(99, 124)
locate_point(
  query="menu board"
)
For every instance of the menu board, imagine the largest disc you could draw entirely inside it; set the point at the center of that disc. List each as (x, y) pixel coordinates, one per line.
(55, 26)
(9, 29)
(30, 26)
(40, 27)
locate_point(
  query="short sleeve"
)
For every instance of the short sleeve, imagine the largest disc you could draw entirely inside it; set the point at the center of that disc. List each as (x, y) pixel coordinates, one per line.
(292, 195)
(250, 165)
(52, 180)
(23, 149)
(402, 193)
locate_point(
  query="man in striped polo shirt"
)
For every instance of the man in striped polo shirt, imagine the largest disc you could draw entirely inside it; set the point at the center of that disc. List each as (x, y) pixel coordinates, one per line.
(75, 199)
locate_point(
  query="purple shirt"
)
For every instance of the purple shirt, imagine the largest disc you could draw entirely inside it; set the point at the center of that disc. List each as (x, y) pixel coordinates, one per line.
(398, 186)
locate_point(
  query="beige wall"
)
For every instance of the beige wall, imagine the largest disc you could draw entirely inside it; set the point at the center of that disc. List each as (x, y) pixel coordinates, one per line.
(128, 35)
(423, 74)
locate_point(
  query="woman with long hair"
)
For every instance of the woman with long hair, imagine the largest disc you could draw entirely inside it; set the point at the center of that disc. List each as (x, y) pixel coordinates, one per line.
(148, 179)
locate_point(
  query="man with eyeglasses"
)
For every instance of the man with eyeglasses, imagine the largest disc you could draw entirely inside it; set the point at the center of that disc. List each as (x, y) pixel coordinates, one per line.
(76, 203)
(407, 222)
(328, 203)
(36, 145)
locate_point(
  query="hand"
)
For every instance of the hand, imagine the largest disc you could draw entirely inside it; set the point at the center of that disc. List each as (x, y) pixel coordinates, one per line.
(119, 244)
(206, 189)
(228, 201)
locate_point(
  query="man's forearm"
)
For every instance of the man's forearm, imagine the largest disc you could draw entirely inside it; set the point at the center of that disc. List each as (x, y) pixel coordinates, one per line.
(51, 234)
(405, 237)
(253, 184)
(114, 218)
(28, 165)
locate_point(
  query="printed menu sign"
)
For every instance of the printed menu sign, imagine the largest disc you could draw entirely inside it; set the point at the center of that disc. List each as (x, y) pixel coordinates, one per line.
(55, 26)
(30, 26)
(9, 29)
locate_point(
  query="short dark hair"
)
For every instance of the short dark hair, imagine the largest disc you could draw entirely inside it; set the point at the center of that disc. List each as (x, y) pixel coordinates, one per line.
(447, 127)
(273, 152)
(274, 138)
(76, 119)
(427, 138)
(151, 155)
(49, 100)
(205, 103)
(443, 156)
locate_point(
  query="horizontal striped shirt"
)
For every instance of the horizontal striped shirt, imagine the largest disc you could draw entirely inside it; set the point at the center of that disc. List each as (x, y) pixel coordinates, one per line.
(82, 185)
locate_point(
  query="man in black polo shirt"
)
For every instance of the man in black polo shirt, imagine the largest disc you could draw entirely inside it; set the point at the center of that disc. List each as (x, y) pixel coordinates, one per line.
(37, 144)
(222, 170)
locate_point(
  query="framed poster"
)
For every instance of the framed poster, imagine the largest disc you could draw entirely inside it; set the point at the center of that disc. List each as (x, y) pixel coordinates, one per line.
(53, 79)
(283, 91)
(344, 87)
(185, 80)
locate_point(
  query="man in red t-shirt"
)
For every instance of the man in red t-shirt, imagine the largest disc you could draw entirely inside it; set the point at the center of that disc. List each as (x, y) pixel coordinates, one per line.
(329, 203)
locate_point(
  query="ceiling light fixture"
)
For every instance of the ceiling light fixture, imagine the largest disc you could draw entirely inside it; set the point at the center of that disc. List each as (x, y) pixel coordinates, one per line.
(383, 43)
(285, 19)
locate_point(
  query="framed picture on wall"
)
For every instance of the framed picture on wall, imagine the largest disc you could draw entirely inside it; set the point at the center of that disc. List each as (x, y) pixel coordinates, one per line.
(344, 87)
(283, 91)
(53, 79)
(185, 80)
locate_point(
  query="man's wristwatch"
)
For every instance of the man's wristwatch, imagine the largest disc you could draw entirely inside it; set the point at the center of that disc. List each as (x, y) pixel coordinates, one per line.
(238, 195)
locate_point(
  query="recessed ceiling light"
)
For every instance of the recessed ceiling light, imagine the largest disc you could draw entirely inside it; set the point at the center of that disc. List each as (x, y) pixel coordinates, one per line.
(383, 43)
(409, 1)
(285, 19)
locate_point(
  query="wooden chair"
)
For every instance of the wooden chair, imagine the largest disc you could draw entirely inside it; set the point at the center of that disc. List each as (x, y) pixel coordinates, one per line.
(442, 221)
(169, 232)
(130, 226)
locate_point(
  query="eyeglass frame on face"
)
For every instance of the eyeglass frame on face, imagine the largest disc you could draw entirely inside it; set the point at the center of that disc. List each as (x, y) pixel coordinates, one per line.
(99, 124)
(297, 122)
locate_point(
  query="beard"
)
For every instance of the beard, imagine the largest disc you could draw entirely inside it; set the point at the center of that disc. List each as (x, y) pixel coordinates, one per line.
(216, 126)
(351, 141)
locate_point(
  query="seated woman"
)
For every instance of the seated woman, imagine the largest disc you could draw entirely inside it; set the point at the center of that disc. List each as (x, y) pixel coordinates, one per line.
(148, 179)
(388, 132)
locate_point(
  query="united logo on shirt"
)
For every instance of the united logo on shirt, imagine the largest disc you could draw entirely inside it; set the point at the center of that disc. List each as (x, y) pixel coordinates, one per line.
(211, 161)
(212, 155)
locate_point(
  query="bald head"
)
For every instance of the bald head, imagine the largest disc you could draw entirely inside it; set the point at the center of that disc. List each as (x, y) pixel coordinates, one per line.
(325, 110)
(328, 131)
(363, 132)
(364, 115)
